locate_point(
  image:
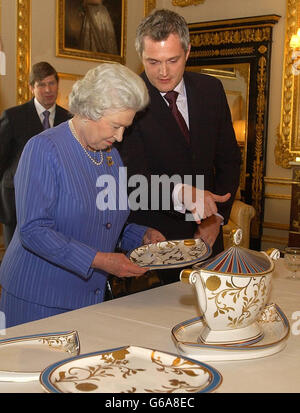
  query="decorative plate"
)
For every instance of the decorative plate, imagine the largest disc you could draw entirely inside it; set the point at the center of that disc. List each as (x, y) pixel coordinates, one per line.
(33, 353)
(275, 328)
(130, 369)
(170, 254)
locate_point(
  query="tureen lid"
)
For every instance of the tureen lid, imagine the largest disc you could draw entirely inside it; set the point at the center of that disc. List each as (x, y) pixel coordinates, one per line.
(238, 260)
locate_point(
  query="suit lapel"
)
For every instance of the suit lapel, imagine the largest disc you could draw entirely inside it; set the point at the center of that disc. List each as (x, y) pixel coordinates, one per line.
(195, 106)
(60, 115)
(34, 125)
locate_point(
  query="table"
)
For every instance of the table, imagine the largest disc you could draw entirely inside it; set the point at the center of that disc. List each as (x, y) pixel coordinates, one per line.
(146, 319)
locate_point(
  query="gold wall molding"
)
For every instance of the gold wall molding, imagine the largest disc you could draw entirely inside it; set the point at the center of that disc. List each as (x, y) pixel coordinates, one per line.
(231, 36)
(288, 136)
(23, 49)
(277, 181)
(276, 225)
(257, 181)
(184, 3)
(275, 240)
(219, 52)
(149, 5)
(282, 197)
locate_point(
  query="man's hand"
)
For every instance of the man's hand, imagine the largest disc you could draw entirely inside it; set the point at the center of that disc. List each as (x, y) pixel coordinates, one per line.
(152, 235)
(209, 229)
(201, 203)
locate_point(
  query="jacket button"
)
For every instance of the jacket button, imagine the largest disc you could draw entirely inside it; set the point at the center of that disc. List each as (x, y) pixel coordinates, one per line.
(108, 225)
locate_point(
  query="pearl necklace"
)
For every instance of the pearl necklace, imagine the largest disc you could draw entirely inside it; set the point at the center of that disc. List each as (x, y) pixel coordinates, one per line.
(98, 163)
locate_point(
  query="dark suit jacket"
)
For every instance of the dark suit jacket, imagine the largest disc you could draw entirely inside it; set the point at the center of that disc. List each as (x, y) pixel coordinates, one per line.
(154, 145)
(17, 125)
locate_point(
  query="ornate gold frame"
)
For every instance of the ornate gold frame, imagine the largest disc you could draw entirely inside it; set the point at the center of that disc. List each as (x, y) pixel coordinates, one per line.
(23, 49)
(288, 138)
(63, 51)
(184, 3)
(149, 5)
(24, 45)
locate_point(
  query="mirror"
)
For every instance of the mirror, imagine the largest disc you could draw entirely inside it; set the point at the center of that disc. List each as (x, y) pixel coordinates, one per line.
(288, 140)
(238, 52)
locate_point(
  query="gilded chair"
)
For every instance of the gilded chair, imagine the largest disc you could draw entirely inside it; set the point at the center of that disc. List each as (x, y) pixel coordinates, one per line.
(240, 217)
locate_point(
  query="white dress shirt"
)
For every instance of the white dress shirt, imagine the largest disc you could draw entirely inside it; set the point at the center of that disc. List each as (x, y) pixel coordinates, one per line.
(40, 109)
(183, 108)
(181, 101)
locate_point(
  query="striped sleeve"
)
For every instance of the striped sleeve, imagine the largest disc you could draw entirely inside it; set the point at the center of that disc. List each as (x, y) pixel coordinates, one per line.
(132, 236)
(36, 196)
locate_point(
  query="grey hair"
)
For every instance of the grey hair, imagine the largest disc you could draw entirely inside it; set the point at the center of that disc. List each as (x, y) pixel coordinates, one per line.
(109, 86)
(159, 25)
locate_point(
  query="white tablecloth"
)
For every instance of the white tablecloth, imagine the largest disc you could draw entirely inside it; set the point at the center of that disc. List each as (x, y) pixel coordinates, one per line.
(146, 319)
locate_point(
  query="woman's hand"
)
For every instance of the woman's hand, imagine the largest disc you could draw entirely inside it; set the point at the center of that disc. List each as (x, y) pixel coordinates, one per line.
(152, 235)
(117, 264)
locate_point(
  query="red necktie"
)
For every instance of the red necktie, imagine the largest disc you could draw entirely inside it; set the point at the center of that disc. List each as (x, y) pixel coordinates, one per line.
(171, 97)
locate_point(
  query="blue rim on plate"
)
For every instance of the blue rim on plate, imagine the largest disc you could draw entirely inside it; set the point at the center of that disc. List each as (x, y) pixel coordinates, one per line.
(136, 255)
(185, 336)
(49, 381)
(61, 342)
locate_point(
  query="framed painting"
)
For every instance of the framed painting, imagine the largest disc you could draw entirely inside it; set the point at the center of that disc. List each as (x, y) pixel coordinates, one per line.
(91, 29)
(66, 81)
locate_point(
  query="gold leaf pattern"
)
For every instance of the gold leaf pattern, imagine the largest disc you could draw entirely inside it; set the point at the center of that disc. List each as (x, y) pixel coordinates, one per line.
(251, 295)
(117, 364)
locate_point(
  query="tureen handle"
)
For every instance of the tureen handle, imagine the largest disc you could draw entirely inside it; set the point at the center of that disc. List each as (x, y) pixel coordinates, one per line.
(193, 277)
(273, 253)
(237, 236)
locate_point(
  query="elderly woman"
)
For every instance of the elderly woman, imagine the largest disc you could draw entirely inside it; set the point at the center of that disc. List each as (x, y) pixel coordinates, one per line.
(64, 243)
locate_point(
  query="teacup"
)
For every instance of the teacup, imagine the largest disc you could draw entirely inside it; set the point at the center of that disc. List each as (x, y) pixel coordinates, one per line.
(232, 290)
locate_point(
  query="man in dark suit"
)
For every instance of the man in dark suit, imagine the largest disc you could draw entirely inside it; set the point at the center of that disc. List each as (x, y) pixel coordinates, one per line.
(17, 125)
(156, 144)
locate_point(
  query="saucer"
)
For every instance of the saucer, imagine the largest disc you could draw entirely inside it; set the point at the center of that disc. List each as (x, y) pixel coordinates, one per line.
(272, 321)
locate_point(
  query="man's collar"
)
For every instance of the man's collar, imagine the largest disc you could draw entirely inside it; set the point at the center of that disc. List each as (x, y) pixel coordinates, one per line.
(180, 88)
(40, 108)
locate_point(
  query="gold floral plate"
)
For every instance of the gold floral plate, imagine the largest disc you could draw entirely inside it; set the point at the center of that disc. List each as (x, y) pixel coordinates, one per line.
(130, 369)
(23, 358)
(274, 324)
(170, 254)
